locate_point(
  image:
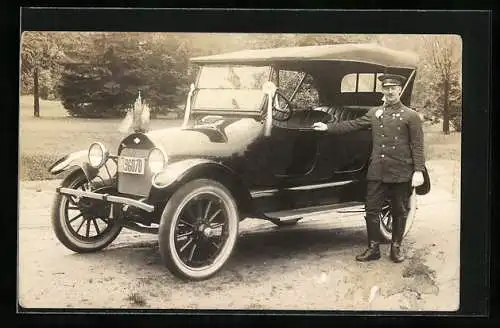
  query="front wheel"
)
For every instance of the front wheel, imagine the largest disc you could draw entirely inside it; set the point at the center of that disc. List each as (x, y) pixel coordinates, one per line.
(386, 218)
(198, 229)
(82, 224)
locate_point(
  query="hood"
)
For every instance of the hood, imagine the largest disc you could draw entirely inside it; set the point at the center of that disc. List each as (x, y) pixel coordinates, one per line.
(225, 138)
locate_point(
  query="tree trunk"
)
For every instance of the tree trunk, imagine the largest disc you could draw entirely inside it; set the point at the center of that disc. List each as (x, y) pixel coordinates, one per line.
(446, 107)
(36, 101)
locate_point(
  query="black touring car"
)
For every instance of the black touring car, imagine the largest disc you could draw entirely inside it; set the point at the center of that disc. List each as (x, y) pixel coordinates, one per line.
(246, 149)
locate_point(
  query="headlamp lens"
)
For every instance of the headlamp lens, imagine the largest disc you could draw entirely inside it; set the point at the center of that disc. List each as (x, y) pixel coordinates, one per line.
(96, 155)
(156, 160)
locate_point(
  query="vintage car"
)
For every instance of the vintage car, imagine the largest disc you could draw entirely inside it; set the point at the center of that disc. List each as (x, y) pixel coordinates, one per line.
(245, 149)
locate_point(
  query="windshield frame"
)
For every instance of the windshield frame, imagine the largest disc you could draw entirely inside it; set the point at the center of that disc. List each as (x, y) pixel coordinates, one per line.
(228, 111)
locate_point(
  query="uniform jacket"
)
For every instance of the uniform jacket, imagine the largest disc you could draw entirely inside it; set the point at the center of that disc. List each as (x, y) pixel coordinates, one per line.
(398, 141)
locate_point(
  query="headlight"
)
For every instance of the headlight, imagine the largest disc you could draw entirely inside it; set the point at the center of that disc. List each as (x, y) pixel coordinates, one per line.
(156, 160)
(97, 154)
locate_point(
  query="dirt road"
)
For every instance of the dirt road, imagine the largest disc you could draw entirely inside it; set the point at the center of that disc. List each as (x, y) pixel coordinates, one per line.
(307, 267)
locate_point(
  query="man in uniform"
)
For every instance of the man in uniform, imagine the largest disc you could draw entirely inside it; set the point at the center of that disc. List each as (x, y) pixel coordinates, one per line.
(396, 164)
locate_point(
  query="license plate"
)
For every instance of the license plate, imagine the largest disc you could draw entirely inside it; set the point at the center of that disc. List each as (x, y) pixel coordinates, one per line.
(132, 165)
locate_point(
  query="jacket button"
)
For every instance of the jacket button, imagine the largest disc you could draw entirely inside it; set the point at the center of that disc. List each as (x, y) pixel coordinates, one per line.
(396, 138)
(381, 126)
(382, 155)
(383, 146)
(393, 147)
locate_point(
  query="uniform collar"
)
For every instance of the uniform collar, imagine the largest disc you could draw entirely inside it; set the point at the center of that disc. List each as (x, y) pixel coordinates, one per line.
(393, 107)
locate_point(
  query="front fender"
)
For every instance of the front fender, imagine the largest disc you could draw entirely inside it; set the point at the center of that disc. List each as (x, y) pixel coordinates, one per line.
(73, 161)
(178, 170)
(176, 173)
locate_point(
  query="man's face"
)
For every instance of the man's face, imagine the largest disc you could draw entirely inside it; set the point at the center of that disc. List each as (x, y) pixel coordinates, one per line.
(391, 93)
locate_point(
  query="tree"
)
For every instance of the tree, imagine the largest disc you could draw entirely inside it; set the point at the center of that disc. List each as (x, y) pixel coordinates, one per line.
(104, 80)
(39, 52)
(165, 71)
(446, 87)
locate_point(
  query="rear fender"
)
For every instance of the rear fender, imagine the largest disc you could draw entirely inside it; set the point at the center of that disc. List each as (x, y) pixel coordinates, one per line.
(176, 174)
(72, 162)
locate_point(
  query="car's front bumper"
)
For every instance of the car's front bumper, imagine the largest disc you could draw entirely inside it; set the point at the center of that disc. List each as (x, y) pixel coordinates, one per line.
(107, 198)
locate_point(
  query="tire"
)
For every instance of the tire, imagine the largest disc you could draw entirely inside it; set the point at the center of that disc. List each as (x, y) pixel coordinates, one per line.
(185, 233)
(65, 230)
(386, 219)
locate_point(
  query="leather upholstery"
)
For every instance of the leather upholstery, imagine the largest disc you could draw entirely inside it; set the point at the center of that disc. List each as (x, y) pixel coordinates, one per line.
(306, 118)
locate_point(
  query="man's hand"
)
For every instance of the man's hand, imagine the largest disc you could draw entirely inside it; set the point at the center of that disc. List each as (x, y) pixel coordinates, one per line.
(320, 126)
(418, 179)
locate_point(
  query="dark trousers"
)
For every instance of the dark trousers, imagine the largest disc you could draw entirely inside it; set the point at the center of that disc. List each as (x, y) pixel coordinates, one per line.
(398, 194)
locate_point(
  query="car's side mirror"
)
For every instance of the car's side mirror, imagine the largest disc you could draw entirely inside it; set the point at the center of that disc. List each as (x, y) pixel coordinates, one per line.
(269, 88)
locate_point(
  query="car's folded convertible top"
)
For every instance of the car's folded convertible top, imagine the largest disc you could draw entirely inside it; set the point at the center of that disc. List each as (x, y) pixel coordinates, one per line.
(354, 52)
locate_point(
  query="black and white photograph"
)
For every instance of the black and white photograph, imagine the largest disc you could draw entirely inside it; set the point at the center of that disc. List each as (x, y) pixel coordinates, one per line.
(240, 171)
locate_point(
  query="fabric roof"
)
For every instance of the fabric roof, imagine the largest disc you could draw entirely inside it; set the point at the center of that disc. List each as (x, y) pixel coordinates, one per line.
(358, 52)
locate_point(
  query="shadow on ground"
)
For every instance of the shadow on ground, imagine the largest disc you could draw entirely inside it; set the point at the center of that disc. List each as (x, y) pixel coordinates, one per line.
(261, 251)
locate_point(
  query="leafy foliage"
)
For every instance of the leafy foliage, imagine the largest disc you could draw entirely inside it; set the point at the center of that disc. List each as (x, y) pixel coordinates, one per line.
(39, 55)
(91, 84)
(40, 50)
(445, 89)
(105, 81)
(100, 74)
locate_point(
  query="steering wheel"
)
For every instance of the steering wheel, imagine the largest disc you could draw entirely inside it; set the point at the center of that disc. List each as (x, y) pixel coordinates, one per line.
(281, 113)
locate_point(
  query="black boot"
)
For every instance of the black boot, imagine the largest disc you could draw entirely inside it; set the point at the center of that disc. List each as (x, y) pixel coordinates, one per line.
(398, 227)
(373, 250)
(371, 253)
(396, 252)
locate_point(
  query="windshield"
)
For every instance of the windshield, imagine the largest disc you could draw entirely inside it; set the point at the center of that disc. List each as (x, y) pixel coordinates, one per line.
(231, 87)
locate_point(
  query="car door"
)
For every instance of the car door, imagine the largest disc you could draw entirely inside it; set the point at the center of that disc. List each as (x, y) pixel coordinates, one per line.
(340, 161)
(347, 155)
(294, 141)
(294, 146)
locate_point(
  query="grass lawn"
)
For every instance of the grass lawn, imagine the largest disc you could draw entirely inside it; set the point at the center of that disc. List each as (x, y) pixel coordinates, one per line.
(42, 140)
(441, 146)
(45, 139)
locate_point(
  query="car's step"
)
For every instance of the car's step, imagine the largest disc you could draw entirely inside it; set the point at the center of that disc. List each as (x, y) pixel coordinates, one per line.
(316, 210)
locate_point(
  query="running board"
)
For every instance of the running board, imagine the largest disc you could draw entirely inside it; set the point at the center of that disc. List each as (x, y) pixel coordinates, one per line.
(290, 215)
(272, 192)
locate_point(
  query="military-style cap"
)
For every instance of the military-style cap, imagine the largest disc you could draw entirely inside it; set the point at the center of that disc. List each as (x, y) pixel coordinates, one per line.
(392, 79)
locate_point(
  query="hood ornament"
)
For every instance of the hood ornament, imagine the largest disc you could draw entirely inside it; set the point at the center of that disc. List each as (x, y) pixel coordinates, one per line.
(137, 118)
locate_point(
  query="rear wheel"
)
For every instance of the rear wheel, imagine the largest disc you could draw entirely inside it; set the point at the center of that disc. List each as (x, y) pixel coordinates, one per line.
(82, 224)
(198, 229)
